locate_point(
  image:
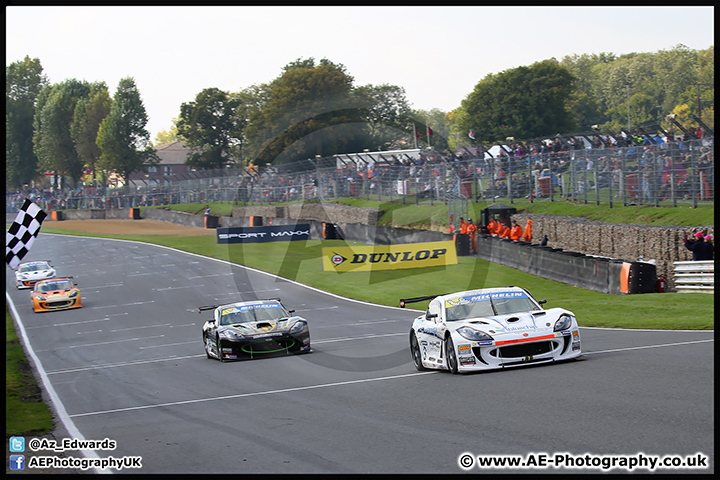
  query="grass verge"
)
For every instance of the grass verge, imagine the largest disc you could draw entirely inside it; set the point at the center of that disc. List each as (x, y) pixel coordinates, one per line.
(25, 411)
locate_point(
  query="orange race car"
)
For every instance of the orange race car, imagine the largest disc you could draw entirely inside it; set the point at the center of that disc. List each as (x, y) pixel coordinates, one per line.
(55, 294)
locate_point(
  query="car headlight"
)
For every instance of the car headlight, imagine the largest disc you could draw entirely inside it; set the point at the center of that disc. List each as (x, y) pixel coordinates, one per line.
(472, 334)
(40, 297)
(298, 327)
(50, 274)
(73, 294)
(563, 323)
(230, 335)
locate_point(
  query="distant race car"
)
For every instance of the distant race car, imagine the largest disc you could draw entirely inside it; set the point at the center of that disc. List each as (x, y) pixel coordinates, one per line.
(27, 274)
(490, 328)
(250, 329)
(55, 294)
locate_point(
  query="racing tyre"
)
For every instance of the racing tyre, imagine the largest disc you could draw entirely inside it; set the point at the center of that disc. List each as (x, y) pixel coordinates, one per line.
(416, 353)
(217, 349)
(207, 347)
(450, 357)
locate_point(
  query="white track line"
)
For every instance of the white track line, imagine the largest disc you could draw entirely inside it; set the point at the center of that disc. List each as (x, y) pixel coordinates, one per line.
(254, 394)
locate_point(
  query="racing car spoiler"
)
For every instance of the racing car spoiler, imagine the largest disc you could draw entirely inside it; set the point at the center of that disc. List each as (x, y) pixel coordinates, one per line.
(207, 307)
(404, 301)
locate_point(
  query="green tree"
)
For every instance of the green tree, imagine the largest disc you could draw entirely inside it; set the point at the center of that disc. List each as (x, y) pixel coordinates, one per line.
(211, 128)
(439, 124)
(387, 115)
(309, 110)
(525, 102)
(122, 137)
(89, 113)
(167, 136)
(654, 84)
(53, 142)
(24, 81)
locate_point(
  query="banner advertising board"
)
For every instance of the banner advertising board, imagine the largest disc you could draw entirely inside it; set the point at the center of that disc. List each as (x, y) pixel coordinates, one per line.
(274, 233)
(388, 257)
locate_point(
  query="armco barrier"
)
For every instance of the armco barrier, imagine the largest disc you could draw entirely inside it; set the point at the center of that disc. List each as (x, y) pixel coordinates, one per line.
(698, 276)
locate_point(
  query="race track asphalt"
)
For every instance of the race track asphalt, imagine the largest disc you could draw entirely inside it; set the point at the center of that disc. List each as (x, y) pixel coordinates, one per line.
(130, 367)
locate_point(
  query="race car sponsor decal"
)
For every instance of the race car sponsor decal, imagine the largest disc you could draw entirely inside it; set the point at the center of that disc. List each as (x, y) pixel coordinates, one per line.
(466, 360)
(485, 297)
(576, 341)
(246, 308)
(388, 257)
(463, 348)
(523, 340)
(271, 233)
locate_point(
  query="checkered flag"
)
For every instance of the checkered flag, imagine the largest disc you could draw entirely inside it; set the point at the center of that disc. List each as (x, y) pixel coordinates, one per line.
(22, 232)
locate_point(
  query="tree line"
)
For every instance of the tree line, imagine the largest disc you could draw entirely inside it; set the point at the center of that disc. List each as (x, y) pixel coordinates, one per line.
(314, 109)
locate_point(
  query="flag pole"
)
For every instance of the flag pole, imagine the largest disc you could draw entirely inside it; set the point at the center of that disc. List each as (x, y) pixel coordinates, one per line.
(415, 135)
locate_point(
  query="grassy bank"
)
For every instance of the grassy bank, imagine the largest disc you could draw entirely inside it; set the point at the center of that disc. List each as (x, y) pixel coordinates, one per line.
(435, 216)
(25, 412)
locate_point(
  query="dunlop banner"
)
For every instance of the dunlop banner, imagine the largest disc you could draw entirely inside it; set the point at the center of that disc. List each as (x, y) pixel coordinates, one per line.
(388, 257)
(263, 234)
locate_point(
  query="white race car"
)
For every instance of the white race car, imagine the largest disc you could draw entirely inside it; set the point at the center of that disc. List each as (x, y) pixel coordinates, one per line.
(490, 328)
(28, 274)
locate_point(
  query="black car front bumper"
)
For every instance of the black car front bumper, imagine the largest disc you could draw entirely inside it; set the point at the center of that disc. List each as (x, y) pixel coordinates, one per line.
(264, 345)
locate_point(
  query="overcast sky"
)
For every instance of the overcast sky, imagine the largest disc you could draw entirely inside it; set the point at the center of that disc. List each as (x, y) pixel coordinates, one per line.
(437, 54)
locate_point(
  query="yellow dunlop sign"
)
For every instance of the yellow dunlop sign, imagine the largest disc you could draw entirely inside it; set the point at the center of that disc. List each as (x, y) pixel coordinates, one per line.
(388, 257)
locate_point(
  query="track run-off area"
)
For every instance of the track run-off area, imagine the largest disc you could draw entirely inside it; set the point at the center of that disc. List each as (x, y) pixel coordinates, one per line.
(129, 367)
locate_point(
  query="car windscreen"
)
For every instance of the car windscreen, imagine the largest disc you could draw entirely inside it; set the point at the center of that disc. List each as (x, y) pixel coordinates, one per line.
(33, 267)
(487, 305)
(252, 313)
(52, 286)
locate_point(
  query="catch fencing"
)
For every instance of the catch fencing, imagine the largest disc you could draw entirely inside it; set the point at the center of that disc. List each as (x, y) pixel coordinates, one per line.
(642, 175)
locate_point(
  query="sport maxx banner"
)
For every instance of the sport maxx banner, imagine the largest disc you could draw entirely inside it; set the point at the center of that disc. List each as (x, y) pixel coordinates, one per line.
(263, 234)
(388, 257)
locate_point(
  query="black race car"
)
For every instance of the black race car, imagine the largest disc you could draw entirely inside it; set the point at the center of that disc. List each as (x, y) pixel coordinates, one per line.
(245, 330)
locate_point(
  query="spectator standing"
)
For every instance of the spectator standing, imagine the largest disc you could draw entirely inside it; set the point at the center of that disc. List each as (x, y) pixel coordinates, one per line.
(708, 248)
(695, 246)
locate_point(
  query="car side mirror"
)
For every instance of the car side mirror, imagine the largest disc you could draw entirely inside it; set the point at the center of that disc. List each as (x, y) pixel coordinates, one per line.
(291, 312)
(428, 316)
(542, 302)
